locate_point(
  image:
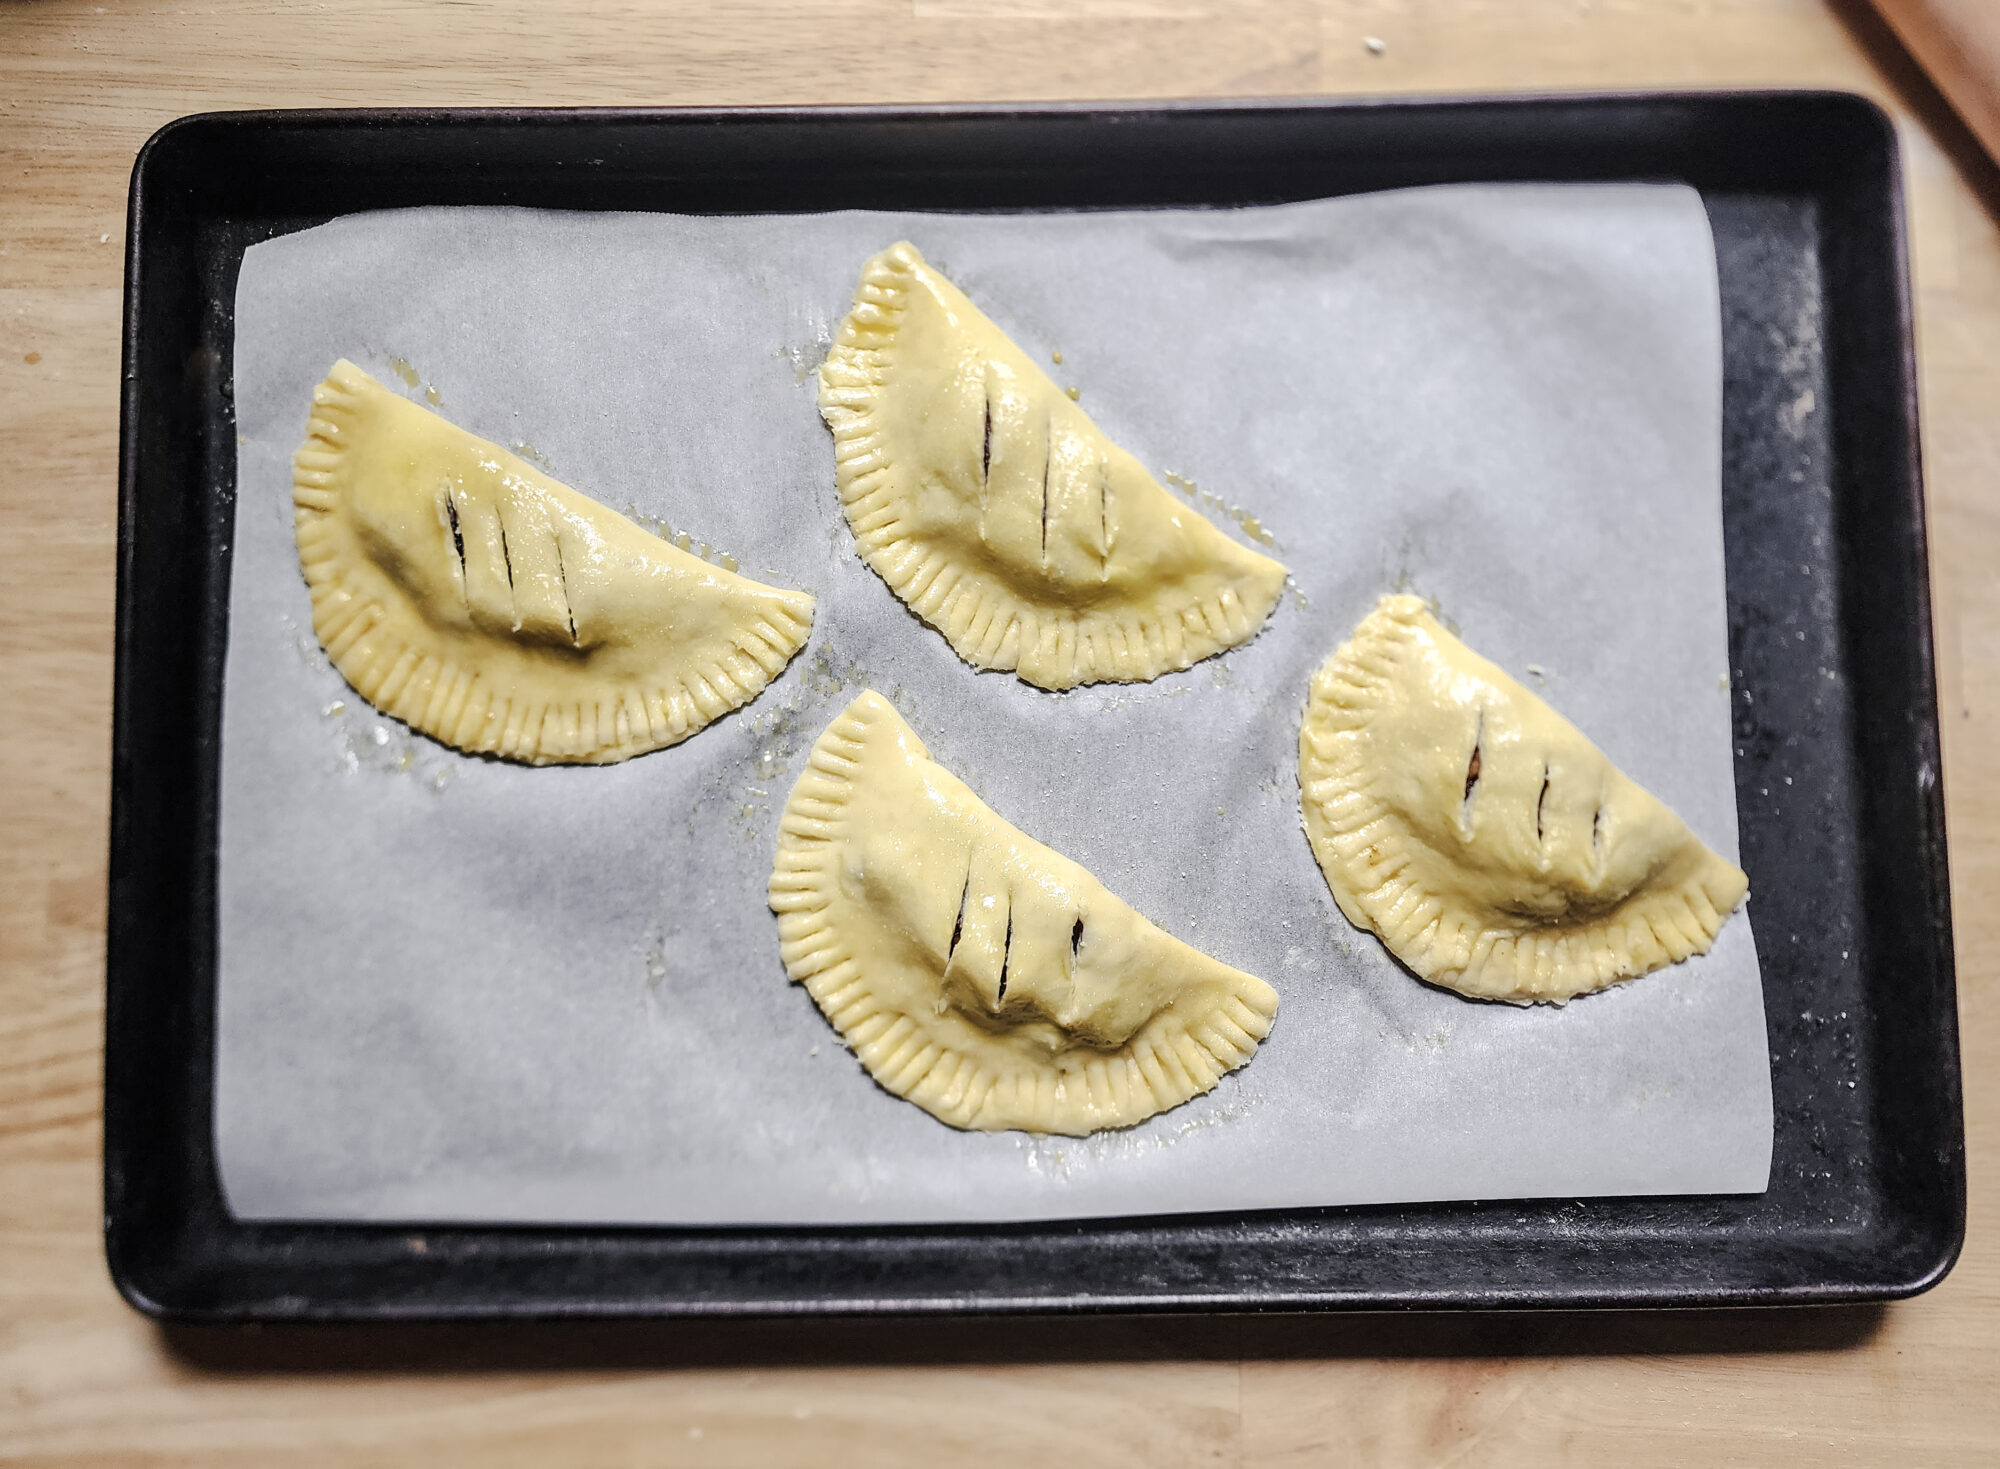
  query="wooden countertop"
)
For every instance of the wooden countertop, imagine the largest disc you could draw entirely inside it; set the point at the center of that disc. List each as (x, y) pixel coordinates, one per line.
(83, 1380)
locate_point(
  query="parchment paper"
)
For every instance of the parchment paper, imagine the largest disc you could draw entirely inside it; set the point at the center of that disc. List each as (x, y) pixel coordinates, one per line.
(457, 989)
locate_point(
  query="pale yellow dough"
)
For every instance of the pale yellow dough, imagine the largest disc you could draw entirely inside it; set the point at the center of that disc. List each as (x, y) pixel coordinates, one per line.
(974, 971)
(467, 594)
(997, 510)
(1493, 848)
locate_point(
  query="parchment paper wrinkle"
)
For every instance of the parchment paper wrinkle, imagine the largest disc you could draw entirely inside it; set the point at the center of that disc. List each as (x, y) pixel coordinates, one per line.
(458, 989)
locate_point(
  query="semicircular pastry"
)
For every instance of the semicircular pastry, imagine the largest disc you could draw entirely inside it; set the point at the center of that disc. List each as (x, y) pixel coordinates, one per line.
(464, 592)
(993, 506)
(1493, 848)
(977, 973)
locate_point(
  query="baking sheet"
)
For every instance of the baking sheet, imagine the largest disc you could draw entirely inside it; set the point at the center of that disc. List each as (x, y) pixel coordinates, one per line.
(454, 989)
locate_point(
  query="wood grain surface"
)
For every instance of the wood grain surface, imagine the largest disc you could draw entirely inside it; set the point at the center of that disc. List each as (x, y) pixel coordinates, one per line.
(1958, 44)
(83, 1380)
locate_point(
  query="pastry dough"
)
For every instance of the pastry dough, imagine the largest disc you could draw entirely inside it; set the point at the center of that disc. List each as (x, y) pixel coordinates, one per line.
(1493, 848)
(986, 978)
(469, 595)
(992, 505)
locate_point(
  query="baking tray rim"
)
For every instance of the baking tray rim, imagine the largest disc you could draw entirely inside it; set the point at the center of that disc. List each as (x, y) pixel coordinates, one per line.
(1937, 1250)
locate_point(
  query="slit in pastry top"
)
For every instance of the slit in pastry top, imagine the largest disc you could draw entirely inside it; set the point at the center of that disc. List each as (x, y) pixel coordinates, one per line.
(976, 972)
(461, 590)
(1492, 847)
(993, 506)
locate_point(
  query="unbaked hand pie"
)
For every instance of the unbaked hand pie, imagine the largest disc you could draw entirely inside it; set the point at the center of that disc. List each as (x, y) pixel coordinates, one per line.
(974, 971)
(994, 507)
(1492, 847)
(462, 591)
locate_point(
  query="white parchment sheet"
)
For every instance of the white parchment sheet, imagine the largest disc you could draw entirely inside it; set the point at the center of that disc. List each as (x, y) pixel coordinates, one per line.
(456, 989)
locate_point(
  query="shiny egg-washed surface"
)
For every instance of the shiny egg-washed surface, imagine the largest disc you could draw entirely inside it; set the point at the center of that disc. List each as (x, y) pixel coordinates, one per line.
(1008, 520)
(976, 972)
(1491, 846)
(468, 594)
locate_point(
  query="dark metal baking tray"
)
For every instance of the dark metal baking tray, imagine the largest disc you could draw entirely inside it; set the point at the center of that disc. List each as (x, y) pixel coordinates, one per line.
(1841, 815)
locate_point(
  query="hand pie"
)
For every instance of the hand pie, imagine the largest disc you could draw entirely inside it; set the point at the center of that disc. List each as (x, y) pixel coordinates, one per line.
(467, 594)
(993, 506)
(1493, 848)
(975, 972)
